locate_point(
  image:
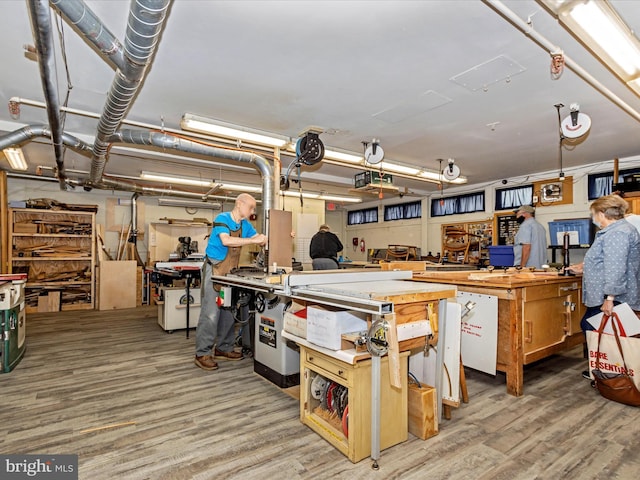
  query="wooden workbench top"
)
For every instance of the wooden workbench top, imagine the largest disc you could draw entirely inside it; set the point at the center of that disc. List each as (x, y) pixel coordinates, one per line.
(494, 279)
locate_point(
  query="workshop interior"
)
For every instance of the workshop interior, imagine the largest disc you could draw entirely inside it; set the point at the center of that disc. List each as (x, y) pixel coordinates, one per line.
(416, 132)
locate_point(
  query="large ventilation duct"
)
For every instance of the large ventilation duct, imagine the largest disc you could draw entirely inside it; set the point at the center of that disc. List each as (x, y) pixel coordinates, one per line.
(171, 142)
(41, 23)
(93, 30)
(143, 30)
(146, 19)
(29, 132)
(161, 140)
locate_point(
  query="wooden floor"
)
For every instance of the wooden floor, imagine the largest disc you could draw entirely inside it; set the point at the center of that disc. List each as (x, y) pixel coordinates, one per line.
(126, 397)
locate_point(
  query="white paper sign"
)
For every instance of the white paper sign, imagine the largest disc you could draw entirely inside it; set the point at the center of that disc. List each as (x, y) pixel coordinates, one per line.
(479, 341)
(628, 318)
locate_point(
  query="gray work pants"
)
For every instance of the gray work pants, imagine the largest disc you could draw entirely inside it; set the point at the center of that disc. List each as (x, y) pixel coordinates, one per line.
(214, 323)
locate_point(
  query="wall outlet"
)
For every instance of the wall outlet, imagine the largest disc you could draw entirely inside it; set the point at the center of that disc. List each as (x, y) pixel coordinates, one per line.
(535, 199)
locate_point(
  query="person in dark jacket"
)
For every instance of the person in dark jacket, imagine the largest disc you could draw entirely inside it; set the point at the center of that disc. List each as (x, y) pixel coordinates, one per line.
(324, 249)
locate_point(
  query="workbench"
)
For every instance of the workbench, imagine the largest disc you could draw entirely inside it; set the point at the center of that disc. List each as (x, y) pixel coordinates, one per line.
(539, 314)
(373, 383)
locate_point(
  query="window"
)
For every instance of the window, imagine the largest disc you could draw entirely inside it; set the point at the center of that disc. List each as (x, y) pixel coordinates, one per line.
(403, 211)
(368, 215)
(602, 183)
(468, 203)
(514, 197)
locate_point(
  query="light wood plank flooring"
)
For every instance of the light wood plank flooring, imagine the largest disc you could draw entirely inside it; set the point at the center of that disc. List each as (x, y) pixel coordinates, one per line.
(167, 419)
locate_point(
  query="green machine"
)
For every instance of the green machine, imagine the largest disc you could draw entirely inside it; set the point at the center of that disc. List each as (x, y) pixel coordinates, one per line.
(12, 321)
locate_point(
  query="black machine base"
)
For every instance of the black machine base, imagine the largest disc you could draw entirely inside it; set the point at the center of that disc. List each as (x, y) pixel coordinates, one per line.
(282, 381)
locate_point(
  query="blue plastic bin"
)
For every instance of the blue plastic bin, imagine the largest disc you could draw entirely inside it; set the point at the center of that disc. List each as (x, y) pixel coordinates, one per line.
(501, 255)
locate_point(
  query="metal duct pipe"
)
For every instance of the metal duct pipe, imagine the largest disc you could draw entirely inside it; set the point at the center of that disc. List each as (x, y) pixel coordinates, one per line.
(111, 184)
(165, 141)
(87, 23)
(41, 23)
(28, 132)
(525, 28)
(170, 142)
(146, 19)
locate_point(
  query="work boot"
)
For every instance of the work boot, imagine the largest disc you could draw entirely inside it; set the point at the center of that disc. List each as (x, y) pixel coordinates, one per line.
(232, 355)
(205, 362)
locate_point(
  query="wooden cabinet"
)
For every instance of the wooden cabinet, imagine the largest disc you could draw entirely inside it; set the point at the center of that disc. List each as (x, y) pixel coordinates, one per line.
(356, 377)
(538, 316)
(56, 249)
(467, 242)
(550, 313)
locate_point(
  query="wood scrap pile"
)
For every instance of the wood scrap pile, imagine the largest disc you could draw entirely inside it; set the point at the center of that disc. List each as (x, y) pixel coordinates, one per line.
(51, 204)
(68, 296)
(66, 227)
(50, 250)
(191, 221)
(81, 275)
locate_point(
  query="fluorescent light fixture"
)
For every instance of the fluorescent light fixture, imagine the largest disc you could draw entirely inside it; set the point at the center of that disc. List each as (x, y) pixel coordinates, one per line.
(166, 178)
(337, 198)
(600, 22)
(599, 27)
(177, 202)
(209, 126)
(437, 177)
(320, 196)
(343, 157)
(395, 168)
(292, 193)
(16, 158)
(234, 187)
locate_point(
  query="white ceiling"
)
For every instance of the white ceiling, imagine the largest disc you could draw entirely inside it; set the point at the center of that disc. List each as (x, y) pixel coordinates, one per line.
(357, 69)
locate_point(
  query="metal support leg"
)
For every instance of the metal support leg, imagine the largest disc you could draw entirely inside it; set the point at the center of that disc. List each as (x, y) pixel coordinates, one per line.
(187, 280)
(375, 410)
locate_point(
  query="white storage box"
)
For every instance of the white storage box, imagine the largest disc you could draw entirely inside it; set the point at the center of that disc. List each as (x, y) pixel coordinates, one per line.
(295, 320)
(172, 313)
(325, 326)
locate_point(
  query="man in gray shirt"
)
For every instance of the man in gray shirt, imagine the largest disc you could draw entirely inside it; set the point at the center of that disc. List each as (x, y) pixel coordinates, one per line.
(530, 244)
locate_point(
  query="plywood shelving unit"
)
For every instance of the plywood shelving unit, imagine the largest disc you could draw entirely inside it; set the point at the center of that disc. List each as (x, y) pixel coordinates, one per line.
(57, 250)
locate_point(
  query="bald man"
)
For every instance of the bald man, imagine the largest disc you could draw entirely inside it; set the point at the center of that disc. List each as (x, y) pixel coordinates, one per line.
(231, 231)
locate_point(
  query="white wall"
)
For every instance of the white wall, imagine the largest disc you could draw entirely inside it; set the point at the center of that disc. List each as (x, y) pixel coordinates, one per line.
(22, 189)
(424, 233)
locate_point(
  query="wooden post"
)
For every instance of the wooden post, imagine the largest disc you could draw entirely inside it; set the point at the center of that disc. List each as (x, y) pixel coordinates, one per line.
(394, 352)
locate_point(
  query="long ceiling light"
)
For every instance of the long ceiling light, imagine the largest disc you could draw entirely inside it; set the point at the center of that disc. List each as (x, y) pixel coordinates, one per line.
(437, 177)
(16, 159)
(209, 126)
(396, 168)
(343, 157)
(166, 178)
(234, 187)
(602, 30)
(177, 202)
(320, 196)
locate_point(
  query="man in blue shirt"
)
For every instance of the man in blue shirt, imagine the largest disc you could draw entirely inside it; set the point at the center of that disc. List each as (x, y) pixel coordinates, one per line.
(530, 244)
(231, 231)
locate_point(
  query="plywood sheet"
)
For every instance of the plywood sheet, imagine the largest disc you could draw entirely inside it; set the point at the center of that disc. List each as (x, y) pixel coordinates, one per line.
(117, 285)
(280, 241)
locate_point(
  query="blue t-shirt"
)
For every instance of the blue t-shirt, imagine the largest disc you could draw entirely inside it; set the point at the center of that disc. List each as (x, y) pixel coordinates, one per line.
(215, 249)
